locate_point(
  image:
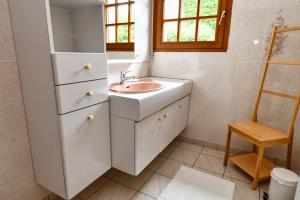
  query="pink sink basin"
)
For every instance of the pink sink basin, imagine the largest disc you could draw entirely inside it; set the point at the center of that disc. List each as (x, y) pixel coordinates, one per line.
(136, 87)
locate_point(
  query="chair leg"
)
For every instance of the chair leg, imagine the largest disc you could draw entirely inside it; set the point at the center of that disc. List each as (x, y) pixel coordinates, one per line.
(254, 148)
(289, 154)
(258, 166)
(227, 147)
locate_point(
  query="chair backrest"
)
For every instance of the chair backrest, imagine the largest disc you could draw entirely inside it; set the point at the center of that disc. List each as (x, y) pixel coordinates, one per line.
(263, 79)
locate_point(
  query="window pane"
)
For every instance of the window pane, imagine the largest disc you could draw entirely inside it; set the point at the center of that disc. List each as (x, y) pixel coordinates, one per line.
(122, 1)
(123, 34)
(209, 7)
(123, 13)
(189, 8)
(187, 30)
(111, 36)
(170, 32)
(132, 13)
(171, 9)
(111, 15)
(110, 1)
(207, 29)
(132, 33)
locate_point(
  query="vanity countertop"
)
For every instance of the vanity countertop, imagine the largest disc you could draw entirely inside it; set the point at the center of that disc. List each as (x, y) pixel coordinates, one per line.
(138, 106)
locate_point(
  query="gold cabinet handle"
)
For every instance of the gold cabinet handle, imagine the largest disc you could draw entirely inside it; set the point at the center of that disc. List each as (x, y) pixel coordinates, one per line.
(90, 93)
(87, 66)
(90, 117)
(159, 118)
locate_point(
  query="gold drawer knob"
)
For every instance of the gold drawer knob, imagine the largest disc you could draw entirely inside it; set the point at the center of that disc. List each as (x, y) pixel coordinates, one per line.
(88, 66)
(90, 117)
(165, 116)
(159, 119)
(90, 93)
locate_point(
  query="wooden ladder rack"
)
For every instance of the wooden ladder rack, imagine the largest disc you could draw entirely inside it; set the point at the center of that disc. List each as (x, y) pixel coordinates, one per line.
(262, 136)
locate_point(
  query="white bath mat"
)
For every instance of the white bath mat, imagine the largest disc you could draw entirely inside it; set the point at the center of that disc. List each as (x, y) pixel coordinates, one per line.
(191, 184)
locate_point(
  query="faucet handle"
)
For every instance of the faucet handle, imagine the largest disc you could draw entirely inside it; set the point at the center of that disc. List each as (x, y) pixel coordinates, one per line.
(123, 73)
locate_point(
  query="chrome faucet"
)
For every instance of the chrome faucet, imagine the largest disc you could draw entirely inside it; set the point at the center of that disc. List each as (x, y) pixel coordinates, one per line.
(124, 78)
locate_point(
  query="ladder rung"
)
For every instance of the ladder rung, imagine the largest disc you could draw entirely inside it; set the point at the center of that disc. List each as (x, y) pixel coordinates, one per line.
(280, 94)
(284, 62)
(293, 28)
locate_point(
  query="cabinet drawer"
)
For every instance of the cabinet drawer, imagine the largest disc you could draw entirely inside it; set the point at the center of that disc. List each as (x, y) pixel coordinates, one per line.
(147, 141)
(85, 146)
(79, 95)
(71, 68)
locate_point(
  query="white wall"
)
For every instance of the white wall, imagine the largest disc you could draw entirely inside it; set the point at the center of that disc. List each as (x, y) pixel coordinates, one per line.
(225, 84)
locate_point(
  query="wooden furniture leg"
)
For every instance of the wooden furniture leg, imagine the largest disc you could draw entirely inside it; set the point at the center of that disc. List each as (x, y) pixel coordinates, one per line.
(289, 152)
(227, 148)
(258, 166)
(254, 148)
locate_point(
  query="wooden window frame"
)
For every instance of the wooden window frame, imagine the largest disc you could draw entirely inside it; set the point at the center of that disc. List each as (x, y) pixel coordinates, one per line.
(120, 46)
(222, 32)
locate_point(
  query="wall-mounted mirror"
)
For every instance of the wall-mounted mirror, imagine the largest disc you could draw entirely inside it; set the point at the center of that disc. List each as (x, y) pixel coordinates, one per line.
(128, 27)
(76, 26)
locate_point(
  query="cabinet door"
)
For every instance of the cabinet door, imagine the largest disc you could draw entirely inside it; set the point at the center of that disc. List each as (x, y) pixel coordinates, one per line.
(182, 111)
(85, 146)
(147, 141)
(168, 127)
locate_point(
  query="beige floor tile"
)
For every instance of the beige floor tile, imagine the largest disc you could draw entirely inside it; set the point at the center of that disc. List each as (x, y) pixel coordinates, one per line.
(168, 150)
(75, 198)
(113, 191)
(170, 167)
(155, 185)
(186, 156)
(156, 163)
(208, 172)
(213, 152)
(175, 143)
(234, 172)
(210, 163)
(243, 190)
(141, 196)
(111, 173)
(134, 182)
(91, 189)
(191, 147)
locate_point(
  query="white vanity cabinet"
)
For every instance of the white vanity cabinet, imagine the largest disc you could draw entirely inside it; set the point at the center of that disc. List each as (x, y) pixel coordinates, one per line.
(63, 70)
(136, 144)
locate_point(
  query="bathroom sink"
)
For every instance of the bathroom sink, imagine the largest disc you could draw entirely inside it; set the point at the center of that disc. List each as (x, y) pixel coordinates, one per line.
(138, 86)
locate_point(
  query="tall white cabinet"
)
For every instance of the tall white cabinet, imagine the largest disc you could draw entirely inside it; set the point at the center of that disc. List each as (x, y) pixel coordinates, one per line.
(60, 46)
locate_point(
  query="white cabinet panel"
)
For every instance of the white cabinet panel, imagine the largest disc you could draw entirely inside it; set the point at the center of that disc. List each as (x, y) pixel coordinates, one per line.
(85, 146)
(182, 111)
(147, 141)
(72, 67)
(75, 96)
(168, 127)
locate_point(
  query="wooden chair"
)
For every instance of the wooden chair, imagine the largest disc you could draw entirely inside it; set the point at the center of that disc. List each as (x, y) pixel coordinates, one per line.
(262, 136)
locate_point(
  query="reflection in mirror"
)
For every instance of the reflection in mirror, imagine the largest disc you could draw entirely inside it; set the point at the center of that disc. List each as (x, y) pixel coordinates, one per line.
(77, 26)
(128, 29)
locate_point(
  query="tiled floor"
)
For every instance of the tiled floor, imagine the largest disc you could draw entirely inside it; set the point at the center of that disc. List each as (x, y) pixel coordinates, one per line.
(116, 185)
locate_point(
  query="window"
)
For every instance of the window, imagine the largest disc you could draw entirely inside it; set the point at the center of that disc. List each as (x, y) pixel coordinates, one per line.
(119, 25)
(192, 25)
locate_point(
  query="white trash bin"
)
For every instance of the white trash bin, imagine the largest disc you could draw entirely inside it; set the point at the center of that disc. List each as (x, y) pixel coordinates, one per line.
(283, 184)
(297, 196)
